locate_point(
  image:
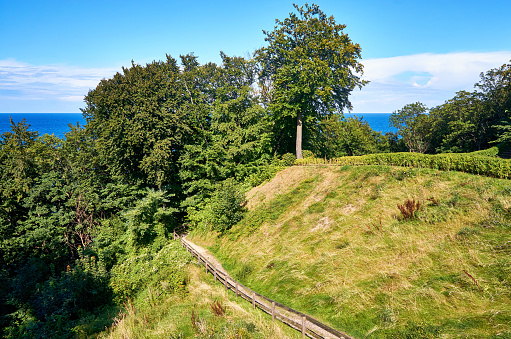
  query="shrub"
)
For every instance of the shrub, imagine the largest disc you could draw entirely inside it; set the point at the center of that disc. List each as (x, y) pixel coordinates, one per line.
(151, 220)
(490, 152)
(307, 154)
(162, 272)
(60, 302)
(289, 159)
(227, 206)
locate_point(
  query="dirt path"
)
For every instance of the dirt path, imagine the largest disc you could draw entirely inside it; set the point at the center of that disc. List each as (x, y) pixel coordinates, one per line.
(209, 257)
(279, 312)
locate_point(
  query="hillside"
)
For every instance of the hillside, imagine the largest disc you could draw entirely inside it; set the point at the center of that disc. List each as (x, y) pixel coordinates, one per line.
(332, 242)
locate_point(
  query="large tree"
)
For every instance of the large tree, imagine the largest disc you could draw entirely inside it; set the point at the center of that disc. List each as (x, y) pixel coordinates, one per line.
(312, 66)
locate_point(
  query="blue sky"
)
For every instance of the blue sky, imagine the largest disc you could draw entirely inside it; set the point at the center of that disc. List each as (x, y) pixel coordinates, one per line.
(53, 52)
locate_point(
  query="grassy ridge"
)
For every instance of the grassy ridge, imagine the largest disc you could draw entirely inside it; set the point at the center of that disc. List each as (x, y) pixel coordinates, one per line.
(335, 245)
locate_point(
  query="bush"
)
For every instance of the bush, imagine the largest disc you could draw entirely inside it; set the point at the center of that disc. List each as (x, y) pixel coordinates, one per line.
(490, 152)
(151, 220)
(288, 159)
(227, 206)
(307, 154)
(162, 272)
(83, 287)
(59, 302)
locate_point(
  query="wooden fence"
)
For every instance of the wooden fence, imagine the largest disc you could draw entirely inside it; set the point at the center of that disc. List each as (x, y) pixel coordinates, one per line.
(304, 323)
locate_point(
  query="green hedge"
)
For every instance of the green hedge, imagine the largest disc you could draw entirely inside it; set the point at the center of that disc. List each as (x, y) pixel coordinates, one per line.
(463, 162)
(490, 152)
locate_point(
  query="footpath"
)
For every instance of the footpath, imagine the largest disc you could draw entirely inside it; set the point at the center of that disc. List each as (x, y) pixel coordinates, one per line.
(304, 323)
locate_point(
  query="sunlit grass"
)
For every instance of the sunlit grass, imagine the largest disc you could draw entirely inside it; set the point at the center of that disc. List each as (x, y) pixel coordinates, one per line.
(189, 314)
(337, 247)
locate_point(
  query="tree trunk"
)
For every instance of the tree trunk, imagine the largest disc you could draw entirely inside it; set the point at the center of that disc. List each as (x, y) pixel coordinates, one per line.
(299, 135)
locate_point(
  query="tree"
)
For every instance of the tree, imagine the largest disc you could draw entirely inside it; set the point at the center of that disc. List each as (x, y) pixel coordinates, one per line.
(312, 67)
(352, 136)
(495, 85)
(460, 124)
(232, 137)
(138, 123)
(414, 125)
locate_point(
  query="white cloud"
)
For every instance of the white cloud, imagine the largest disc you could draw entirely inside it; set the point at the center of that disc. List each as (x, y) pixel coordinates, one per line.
(50, 84)
(429, 78)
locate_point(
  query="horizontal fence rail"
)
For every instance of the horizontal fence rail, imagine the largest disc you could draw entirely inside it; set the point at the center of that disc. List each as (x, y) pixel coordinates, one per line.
(302, 322)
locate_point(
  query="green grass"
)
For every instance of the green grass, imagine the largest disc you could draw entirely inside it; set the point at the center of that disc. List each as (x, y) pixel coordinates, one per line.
(188, 312)
(336, 246)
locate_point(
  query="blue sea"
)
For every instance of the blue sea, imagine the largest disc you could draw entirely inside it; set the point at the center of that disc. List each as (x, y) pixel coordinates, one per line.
(378, 121)
(44, 123)
(57, 123)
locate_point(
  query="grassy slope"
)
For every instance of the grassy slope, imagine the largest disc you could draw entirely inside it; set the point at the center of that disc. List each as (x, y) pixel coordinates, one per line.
(331, 242)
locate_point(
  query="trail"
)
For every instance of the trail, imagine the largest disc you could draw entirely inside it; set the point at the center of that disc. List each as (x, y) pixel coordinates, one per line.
(209, 257)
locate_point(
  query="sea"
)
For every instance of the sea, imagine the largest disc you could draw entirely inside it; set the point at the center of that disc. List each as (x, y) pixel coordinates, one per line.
(58, 123)
(44, 123)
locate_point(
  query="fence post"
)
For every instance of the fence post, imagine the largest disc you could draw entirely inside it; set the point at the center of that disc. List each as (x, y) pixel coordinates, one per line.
(303, 326)
(174, 234)
(273, 310)
(253, 300)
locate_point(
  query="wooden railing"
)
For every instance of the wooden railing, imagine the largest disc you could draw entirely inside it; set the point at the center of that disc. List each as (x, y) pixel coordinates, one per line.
(304, 323)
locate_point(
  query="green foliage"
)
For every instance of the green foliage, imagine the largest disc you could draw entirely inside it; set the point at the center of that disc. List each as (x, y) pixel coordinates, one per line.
(504, 131)
(227, 206)
(312, 67)
(289, 159)
(138, 123)
(159, 271)
(233, 137)
(490, 152)
(463, 162)
(53, 307)
(470, 121)
(151, 220)
(350, 137)
(461, 124)
(414, 125)
(264, 172)
(307, 154)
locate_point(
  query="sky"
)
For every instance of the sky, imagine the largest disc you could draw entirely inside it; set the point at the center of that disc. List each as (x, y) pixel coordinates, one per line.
(53, 52)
